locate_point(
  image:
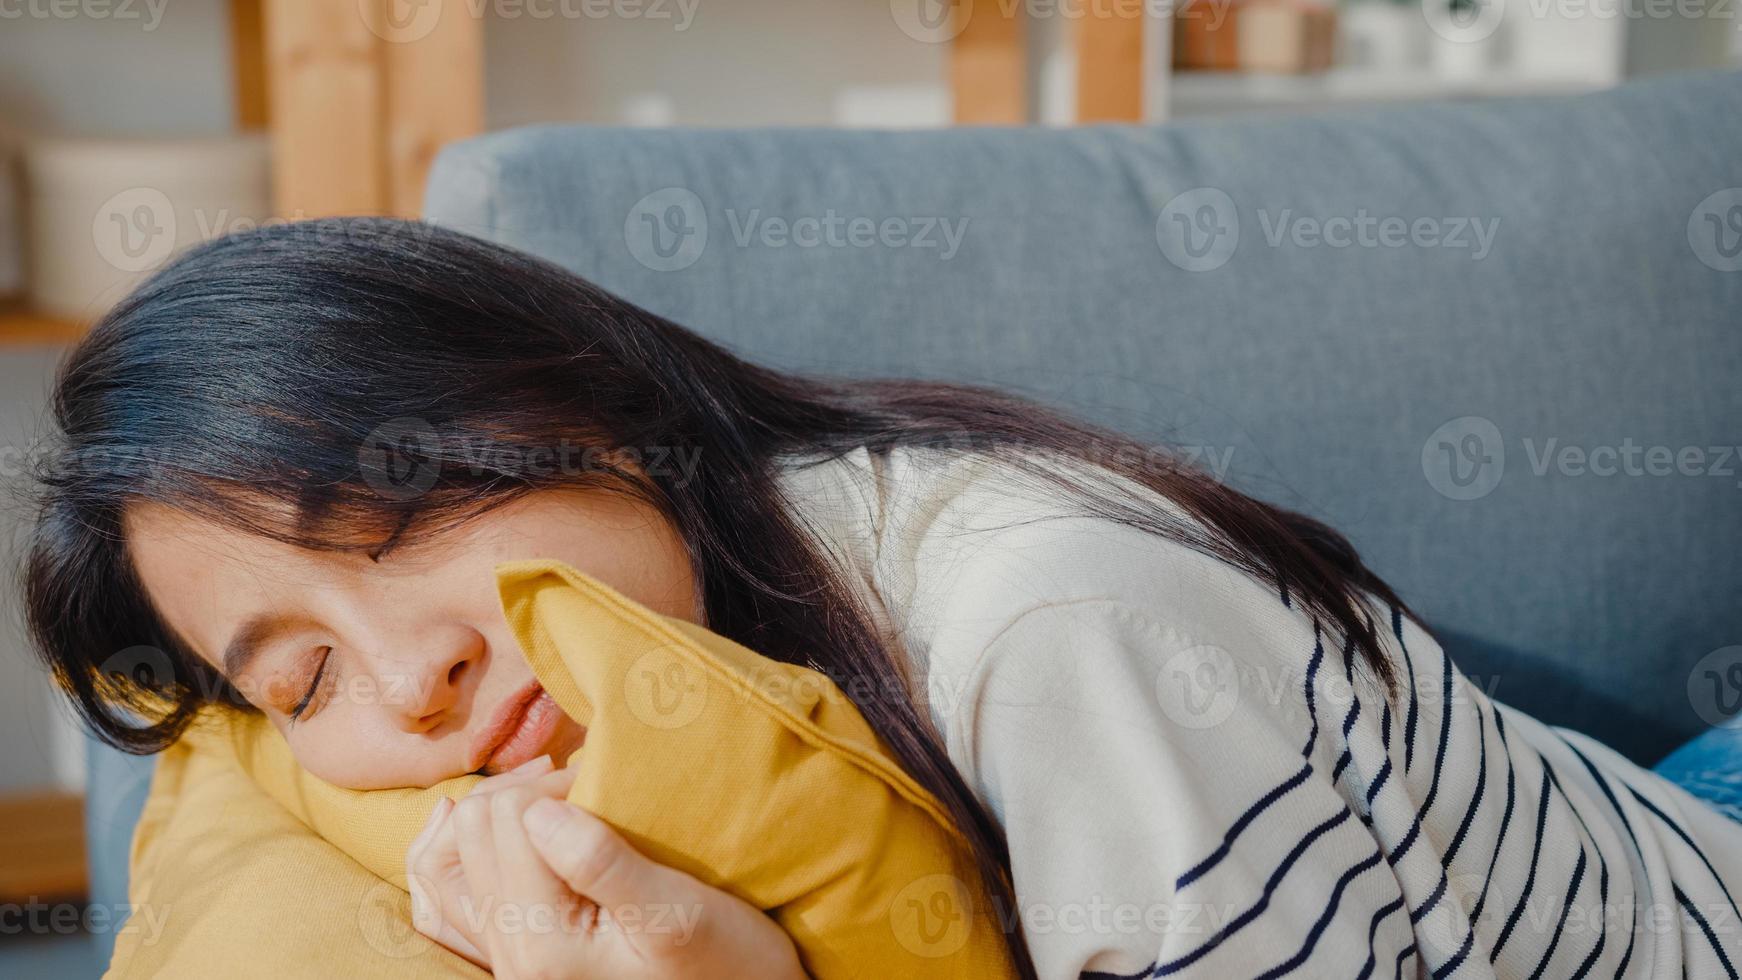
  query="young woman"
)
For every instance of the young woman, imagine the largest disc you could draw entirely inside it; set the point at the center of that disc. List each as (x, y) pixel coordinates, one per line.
(1187, 733)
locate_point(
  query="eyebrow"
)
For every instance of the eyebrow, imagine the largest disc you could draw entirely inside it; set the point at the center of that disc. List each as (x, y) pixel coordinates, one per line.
(251, 638)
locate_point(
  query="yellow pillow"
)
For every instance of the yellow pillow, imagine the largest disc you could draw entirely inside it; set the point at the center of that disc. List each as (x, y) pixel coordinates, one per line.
(756, 777)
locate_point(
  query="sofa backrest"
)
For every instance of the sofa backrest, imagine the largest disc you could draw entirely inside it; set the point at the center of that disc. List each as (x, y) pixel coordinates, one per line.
(1498, 344)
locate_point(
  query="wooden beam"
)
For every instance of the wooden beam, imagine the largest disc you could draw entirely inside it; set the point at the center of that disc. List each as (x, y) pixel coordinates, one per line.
(42, 848)
(324, 87)
(435, 94)
(248, 62)
(989, 64)
(1110, 64)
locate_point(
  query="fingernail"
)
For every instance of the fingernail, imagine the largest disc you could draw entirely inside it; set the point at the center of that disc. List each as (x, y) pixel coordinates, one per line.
(535, 765)
(543, 818)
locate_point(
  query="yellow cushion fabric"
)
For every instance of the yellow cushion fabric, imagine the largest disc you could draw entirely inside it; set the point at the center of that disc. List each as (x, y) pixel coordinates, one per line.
(757, 777)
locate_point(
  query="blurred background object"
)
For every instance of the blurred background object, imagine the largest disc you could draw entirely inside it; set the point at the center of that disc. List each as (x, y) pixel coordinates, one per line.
(132, 128)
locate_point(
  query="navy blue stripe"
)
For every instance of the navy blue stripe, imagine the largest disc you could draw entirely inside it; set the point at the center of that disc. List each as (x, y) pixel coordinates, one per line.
(1566, 908)
(1384, 767)
(1505, 818)
(1432, 899)
(1408, 662)
(1311, 695)
(1373, 933)
(1450, 966)
(1324, 920)
(1402, 955)
(1446, 703)
(1246, 918)
(1530, 877)
(1705, 927)
(1275, 793)
(1476, 796)
(1602, 937)
(1689, 841)
(1627, 825)
(1602, 862)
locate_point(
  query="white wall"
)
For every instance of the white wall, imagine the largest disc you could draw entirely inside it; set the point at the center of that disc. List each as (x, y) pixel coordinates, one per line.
(743, 63)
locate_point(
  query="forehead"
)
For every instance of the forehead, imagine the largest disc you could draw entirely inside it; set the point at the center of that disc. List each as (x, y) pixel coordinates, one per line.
(203, 577)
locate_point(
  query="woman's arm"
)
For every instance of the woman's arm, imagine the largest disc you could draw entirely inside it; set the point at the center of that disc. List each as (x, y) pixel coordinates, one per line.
(1130, 765)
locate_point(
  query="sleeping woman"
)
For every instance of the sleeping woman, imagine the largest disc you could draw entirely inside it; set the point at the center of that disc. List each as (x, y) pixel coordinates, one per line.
(1187, 733)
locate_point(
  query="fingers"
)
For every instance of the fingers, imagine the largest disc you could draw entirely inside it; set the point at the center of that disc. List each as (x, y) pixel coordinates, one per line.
(589, 856)
(442, 903)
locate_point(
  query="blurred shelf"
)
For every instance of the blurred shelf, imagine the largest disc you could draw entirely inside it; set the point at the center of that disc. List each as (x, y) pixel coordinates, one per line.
(1196, 93)
(21, 326)
(42, 848)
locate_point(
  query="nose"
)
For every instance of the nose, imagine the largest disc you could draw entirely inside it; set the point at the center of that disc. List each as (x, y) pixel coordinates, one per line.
(422, 685)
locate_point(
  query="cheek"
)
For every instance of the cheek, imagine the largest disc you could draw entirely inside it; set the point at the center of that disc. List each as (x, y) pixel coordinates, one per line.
(359, 748)
(646, 561)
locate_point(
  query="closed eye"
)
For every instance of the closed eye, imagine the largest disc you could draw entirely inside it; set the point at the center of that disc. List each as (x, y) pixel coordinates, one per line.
(314, 686)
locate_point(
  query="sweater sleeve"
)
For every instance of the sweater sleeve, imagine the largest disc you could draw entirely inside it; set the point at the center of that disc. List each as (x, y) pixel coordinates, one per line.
(1166, 802)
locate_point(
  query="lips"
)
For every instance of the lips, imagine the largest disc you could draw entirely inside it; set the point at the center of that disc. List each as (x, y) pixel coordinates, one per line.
(518, 732)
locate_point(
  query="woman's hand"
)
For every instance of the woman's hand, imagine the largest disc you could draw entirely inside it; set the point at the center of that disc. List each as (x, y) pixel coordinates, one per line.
(521, 882)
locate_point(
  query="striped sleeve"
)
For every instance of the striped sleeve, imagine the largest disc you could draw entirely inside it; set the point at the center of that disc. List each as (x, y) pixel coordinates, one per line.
(1169, 806)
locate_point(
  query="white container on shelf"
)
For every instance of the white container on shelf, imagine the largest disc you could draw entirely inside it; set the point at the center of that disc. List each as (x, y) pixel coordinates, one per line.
(104, 213)
(1381, 35)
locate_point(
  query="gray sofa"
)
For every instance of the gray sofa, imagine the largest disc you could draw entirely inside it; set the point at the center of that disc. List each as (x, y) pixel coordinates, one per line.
(1436, 328)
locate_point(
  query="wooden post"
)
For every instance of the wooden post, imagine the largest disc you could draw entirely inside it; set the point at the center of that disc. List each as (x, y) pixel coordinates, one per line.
(1110, 82)
(324, 89)
(989, 64)
(248, 63)
(435, 95)
(361, 95)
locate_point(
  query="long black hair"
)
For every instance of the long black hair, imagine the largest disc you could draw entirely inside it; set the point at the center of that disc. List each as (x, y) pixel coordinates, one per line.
(333, 384)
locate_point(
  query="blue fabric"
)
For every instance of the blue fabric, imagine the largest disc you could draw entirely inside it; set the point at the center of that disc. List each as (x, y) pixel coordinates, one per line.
(1710, 767)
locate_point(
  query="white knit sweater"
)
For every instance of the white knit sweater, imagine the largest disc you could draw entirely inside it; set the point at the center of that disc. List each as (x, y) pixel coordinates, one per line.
(1195, 782)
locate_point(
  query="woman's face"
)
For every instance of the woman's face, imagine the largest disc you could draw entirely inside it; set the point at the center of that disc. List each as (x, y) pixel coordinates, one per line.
(402, 671)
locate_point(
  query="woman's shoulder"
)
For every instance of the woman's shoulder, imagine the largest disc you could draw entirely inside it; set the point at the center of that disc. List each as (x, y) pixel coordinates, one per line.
(961, 547)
